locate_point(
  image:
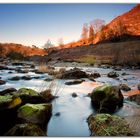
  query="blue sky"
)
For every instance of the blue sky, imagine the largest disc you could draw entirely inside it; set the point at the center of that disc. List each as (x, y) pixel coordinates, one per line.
(34, 24)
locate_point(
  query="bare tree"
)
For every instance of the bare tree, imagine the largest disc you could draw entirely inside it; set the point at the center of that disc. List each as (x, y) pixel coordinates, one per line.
(91, 34)
(48, 44)
(97, 24)
(60, 42)
(84, 34)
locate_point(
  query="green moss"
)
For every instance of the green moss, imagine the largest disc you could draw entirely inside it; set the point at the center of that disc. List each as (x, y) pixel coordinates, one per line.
(108, 125)
(25, 130)
(5, 99)
(34, 113)
(27, 91)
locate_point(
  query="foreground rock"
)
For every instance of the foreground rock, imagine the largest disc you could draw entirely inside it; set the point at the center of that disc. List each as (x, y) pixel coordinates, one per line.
(113, 74)
(108, 125)
(26, 129)
(135, 98)
(125, 87)
(2, 82)
(8, 90)
(8, 101)
(75, 82)
(35, 113)
(107, 98)
(28, 96)
(72, 74)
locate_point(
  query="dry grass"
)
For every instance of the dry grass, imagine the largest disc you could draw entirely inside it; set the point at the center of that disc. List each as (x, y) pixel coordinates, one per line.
(90, 59)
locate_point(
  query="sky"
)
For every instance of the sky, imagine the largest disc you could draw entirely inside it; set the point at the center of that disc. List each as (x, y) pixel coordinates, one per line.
(34, 24)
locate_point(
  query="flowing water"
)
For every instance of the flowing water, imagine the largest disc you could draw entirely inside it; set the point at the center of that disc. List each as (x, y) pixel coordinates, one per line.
(69, 117)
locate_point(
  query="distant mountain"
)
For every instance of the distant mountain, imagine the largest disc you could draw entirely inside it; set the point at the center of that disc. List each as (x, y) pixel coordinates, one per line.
(6, 48)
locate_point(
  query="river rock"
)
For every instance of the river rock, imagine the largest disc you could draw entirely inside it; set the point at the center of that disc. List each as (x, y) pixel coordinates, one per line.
(75, 82)
(3, 67)
(95, 75)
(135, 98)
(2, 82)
(112, 74)
(138, 86)
(26, 129)
(16, 78)
(73, 74)
(125, 87)
(8, 90)
(107, 98)
(27, 77)
(46, 94)
(28, 96)
(74, 95)
(9, 101)
(35, 113)
(108, 125)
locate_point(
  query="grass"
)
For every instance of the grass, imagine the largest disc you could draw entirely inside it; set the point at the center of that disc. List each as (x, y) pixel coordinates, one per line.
(90, 59)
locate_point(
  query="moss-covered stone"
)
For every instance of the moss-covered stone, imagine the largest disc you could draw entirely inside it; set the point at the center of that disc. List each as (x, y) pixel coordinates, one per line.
(9, 101)
(35, 113)
(26, 129)
(28, 96)
(106, 98)
(108, 125)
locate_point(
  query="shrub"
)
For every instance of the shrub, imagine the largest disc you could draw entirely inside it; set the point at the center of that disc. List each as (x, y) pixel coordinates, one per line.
(15, 56)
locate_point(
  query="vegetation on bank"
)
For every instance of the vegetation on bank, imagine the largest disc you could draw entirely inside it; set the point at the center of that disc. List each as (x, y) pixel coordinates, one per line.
(89, 59)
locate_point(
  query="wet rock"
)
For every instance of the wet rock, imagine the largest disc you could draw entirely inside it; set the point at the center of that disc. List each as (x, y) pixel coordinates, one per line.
(48, 79)
(17, 63)
(16, 78)
(22, 71)
(73, 74)
(74, 95)
(9, 101)
(26, 129)
(39, 72)
(47, 95)
(35, 113)
(3, 67)
(95, 75)
(92, 79)
(112, 74)
(135, 98)
(8, 90)
(57, 114)
(108, 125)
(32, 66)
(2, 82)
(10, 72)
(75, 82)
(125, 87)
(124, 73)
(26, 77)
(28, 96)
(138, 86)
(106, 98)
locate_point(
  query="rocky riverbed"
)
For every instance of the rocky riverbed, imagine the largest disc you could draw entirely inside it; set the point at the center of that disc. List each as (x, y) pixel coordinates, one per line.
(72, 107)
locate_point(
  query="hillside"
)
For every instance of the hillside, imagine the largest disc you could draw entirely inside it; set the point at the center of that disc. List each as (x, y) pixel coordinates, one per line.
(6, 48)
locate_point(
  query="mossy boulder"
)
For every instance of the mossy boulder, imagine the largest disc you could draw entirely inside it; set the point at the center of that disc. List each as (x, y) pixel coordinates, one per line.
(106, 98)
(9, 101)
(8, 90)
(108, 125)
(28, 96)
(26, 129)
(35, 113)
